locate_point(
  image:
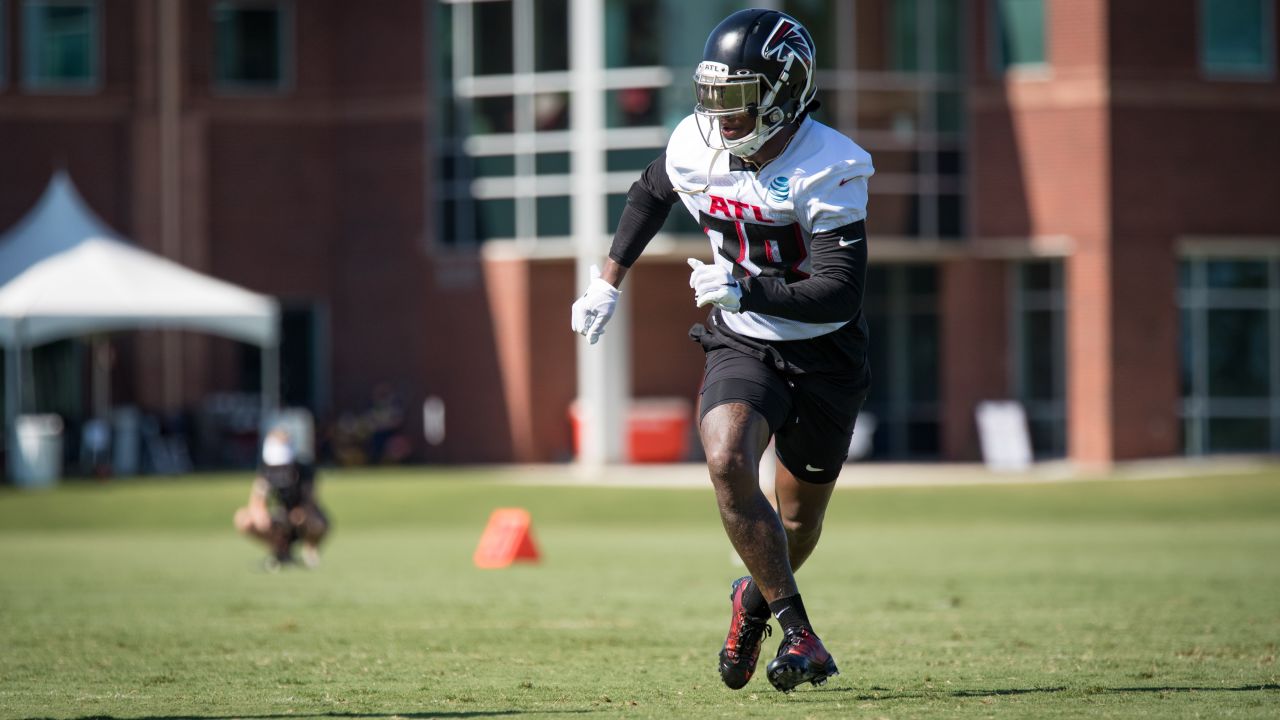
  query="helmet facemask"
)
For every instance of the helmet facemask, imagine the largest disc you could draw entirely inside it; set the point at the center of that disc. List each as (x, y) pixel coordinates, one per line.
(721, 95)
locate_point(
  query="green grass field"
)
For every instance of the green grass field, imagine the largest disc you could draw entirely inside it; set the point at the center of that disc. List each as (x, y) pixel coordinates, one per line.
(135, 599)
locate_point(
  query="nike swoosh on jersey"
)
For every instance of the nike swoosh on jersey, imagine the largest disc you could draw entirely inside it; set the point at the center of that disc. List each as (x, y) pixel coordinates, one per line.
(847, 243)
(842, 182)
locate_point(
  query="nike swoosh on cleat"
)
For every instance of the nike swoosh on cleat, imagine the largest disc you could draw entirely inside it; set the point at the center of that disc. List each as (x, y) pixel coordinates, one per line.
(811, 468)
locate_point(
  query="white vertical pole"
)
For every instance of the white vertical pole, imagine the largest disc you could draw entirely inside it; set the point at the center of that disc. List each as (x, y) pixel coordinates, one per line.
(604, 368)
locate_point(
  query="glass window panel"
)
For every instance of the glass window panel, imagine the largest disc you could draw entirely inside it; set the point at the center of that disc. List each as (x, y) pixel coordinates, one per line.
(1048, 437)
(1236, 274)
(947, 28)
(630, 159)
(1236, 36)
(553, 216)
(922, 439)
(950, 216)
(552, 163)
(903, 31)
(491, 38)
(616, 205)
(922, 280)
(950, 163)
(633, 107)
(1020, 32)
(551, 111)
(948, 112)
(1185, 356)
(550, 37)
(889, 110)
(495, 218)
(1239, 435)
(448, 219)
(493, 165)
(60, 45)
(877, 289)
(1239, 353)
(1037, 276)
(1184, 275)
(493, 115)
(632, 33)
(923, 333)
(1038, 361)
(249, 45)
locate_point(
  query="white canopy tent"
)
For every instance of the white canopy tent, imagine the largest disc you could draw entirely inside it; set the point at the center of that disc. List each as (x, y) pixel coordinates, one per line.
(65, 273)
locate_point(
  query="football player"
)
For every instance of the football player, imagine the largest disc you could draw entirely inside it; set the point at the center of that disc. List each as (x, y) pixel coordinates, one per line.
(283, 508)
(782, 199)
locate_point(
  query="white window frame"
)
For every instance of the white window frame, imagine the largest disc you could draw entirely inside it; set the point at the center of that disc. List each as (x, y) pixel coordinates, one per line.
(1264, 73)
(287, 51)
(32, 83)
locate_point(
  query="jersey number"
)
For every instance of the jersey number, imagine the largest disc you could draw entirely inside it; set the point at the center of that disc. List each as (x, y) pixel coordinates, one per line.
(758, 250)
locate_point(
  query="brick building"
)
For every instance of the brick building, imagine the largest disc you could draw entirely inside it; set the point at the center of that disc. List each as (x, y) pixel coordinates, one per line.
(1071, 205)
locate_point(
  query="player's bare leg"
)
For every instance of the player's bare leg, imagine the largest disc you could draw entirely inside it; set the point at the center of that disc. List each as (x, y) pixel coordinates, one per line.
(734, 436)
(801, 506)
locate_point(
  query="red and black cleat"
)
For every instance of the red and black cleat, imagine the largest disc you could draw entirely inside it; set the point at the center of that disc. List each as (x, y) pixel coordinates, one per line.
(742, 646)
(801, 659)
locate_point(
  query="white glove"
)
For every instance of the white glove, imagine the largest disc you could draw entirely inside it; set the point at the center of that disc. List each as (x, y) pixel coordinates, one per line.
(592, 311)
(713, 285)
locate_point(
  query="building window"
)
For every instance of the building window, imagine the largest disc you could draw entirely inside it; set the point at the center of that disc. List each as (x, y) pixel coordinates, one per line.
(902, 98)
(1237, 37)
(1039, 332)
(901, 306)
(1019, 33)
(60, 45)
(252, 45)
(1229, 346)
(505, 140)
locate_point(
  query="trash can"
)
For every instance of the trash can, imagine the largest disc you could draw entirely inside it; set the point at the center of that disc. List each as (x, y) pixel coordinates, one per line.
(37, 460)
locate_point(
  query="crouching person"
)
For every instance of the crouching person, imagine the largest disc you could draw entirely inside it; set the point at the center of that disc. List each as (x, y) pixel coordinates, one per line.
(283, 510)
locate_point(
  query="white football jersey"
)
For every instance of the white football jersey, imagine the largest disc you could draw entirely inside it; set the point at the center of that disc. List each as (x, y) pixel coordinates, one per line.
(763, 225)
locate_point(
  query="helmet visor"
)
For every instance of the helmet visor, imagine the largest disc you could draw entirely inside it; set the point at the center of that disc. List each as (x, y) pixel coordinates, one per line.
(719, 95)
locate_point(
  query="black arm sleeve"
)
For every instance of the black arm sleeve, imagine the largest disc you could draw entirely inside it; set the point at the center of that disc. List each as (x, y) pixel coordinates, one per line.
(649, 202)
(832, 294)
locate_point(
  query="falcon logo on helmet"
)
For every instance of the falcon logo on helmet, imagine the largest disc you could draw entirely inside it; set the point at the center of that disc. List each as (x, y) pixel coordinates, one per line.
(788, 37)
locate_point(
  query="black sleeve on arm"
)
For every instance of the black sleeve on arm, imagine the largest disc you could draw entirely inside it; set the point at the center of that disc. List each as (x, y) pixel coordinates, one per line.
(648, 202)
(832, 294)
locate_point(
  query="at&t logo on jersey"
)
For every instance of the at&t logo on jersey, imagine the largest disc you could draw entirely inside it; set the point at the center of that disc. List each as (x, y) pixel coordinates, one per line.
(779, 190)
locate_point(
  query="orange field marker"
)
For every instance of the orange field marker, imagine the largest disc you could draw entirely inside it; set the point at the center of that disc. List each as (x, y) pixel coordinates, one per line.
(507, 538)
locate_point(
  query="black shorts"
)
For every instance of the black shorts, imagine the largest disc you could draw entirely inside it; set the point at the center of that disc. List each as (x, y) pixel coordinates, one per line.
(811, 415)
